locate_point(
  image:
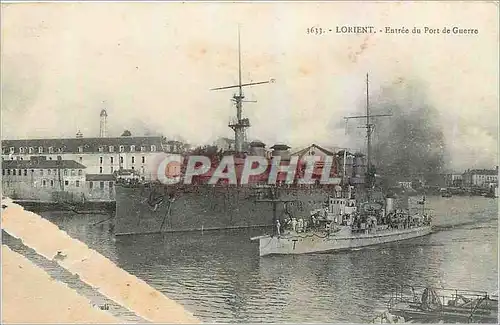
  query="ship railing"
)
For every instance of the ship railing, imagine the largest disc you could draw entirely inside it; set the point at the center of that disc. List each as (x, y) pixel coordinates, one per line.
(459, 299)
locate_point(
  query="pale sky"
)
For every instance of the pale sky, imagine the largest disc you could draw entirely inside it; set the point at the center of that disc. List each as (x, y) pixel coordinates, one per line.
(151, 65)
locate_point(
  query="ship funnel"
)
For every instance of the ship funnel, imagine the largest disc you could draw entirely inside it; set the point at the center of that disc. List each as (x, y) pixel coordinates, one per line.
(281, 150)
(257, 148)
(359, 165)
(345, 166)
(389, 205)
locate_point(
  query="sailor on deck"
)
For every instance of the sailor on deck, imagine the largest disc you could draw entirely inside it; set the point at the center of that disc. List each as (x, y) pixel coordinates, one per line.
(300, 225)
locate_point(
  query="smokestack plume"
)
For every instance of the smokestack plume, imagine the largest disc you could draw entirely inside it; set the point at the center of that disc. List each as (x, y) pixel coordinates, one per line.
(410, 143)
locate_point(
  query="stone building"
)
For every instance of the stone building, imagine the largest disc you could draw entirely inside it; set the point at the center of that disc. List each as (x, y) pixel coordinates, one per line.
(100, 155)
(42, 180)
(481, 177)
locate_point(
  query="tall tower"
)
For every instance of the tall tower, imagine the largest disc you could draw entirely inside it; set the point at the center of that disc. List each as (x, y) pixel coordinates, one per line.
(102, 130)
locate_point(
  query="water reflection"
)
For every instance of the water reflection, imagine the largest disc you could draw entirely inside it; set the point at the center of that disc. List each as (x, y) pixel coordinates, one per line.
(220, 277)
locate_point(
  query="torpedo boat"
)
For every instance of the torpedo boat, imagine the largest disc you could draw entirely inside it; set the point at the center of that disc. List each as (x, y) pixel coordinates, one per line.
(348, 220)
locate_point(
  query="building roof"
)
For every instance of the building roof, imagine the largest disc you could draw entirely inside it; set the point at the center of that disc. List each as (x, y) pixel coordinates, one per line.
(483, 171)
(99, 177)
(88, 144)
(42, 164)
(125, 172)
(305, 150)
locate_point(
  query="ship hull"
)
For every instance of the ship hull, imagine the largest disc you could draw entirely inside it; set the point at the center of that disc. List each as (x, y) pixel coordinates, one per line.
(208, 208)
(319, 243)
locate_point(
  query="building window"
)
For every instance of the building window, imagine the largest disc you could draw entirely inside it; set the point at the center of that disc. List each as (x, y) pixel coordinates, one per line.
(100, 160)
(101, 185)
(111, 159)
(51, 150)
(80, 149)
(40, 149)
(79, 172)
(14, 172)
(111, 170)
(30, 150)
(21, 150)
(132, 148)
(51, 183)
(50, 158)
(153, 148)
(41, 172)
(133, 160)
(8, 171)
(143, 159)
(72, 172)
(133, 168)
(65, 172)
(44, 183)
(22, 158)
(49, 171)
(77, 183)
(91, 184)
(101, 149)
(111, 148)
(3, 172)
(81, 159)
(100, 170)
(110, 184)
(122, 148)
(143, 148)
(11, 150)
(66, 183)
(121, 160)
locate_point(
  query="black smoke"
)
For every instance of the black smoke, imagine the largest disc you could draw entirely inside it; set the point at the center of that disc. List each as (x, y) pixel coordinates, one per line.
(409, 145)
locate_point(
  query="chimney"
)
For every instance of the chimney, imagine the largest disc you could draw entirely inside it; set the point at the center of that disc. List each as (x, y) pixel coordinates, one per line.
(102, 130)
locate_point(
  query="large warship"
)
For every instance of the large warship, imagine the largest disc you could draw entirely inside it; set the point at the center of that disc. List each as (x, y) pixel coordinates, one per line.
(153, 206)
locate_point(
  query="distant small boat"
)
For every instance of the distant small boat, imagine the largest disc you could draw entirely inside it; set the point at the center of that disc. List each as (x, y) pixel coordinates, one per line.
(446, 194)
(493, 193)
(410, 304)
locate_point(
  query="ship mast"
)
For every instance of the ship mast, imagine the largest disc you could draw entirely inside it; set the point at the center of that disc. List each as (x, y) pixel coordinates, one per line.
(369, 129)
(240, 124)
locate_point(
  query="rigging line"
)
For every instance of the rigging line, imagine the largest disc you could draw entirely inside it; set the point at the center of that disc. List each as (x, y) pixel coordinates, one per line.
(166, 215)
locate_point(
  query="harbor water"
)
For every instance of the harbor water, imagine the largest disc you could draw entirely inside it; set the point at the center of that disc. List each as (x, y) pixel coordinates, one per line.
(219, 276)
